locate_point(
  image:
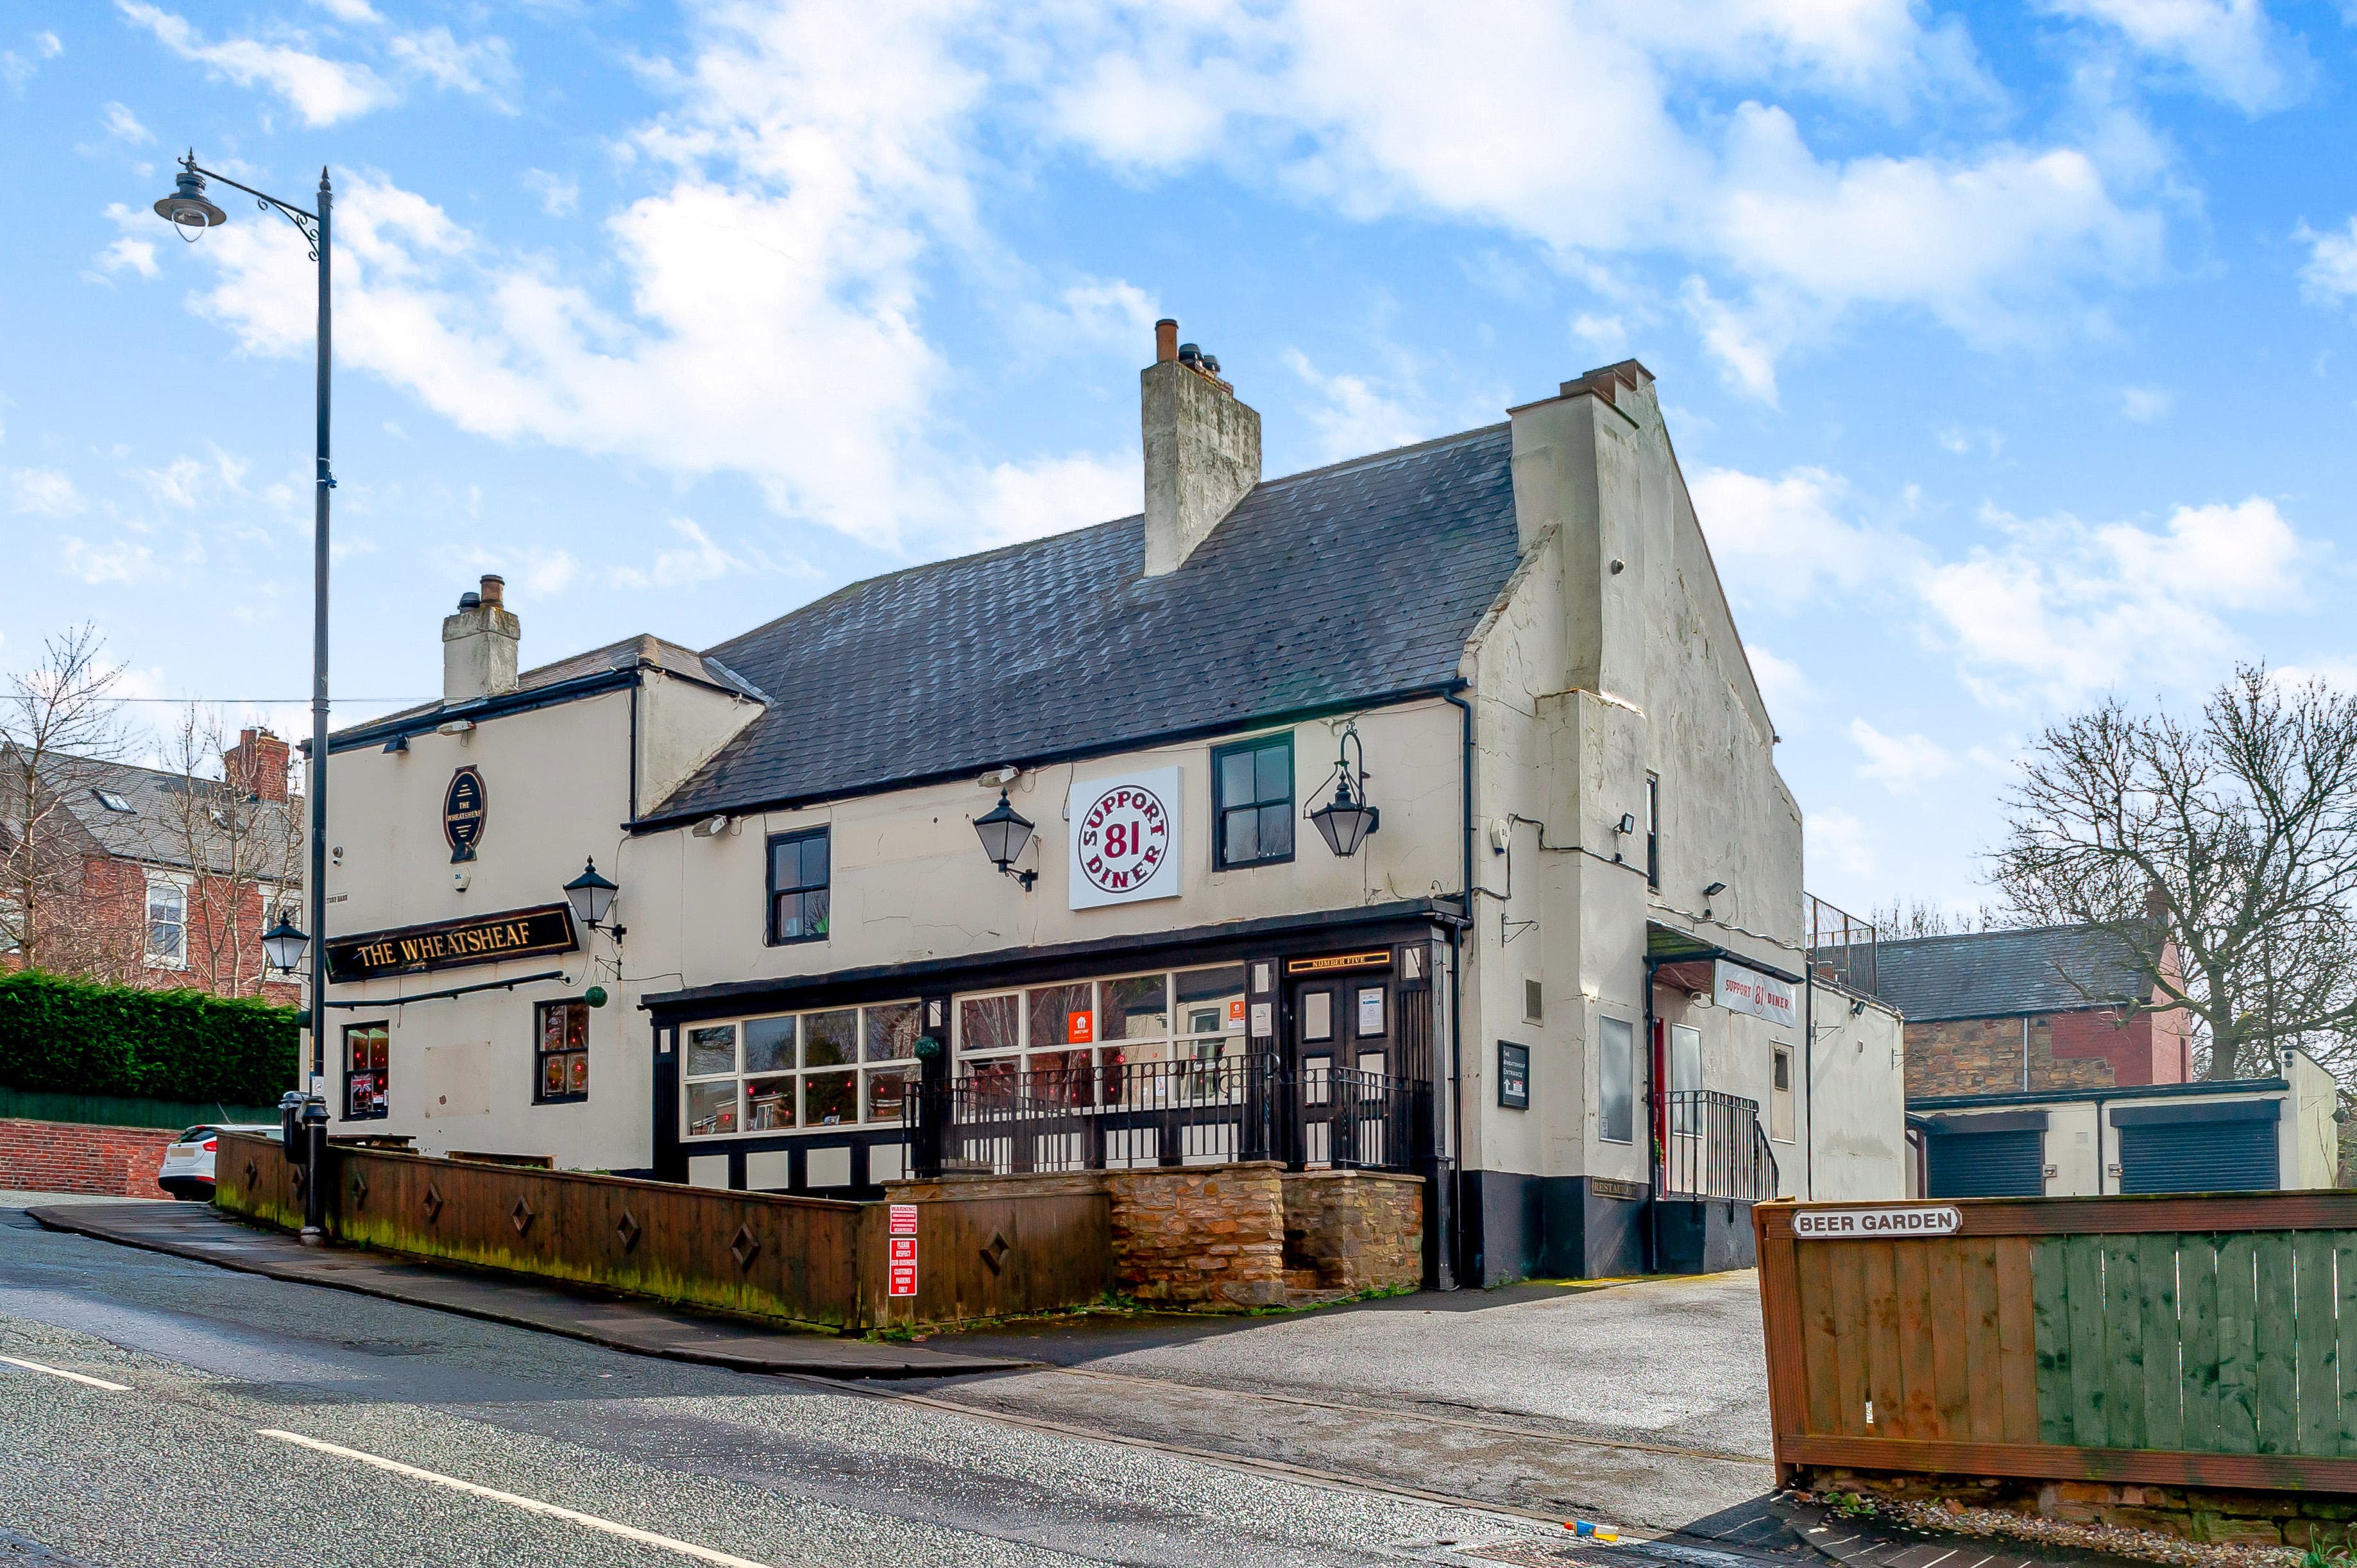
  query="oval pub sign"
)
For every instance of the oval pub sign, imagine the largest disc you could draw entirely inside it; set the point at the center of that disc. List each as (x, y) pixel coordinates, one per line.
(463, 806)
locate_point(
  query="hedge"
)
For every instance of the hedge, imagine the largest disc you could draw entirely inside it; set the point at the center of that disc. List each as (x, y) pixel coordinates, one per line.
(70, 1037)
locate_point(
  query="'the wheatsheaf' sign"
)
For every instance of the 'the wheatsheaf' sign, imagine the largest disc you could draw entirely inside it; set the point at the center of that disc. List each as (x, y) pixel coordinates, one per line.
(451, 944)
(1857, 1224)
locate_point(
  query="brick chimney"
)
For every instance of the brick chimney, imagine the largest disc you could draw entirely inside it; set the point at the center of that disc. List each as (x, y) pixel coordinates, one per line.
(257, 765)
(1202, 449)
(479, 645)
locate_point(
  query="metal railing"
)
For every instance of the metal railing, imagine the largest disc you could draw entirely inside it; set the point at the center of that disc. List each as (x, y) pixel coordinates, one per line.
(1841, 947)
(1134, 1115)
(1713, 1146)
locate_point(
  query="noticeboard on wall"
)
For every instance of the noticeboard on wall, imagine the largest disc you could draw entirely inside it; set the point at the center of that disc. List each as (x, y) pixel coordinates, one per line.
(1513, 1076)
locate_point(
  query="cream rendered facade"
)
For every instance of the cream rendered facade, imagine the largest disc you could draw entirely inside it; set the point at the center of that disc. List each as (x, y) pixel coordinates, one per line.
(1607, 657)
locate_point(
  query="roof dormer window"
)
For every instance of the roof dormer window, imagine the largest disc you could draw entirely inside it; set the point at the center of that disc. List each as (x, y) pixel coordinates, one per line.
(113, 803)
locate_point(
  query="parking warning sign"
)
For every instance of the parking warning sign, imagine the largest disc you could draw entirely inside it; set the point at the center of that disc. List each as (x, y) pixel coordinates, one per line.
(901, 1257)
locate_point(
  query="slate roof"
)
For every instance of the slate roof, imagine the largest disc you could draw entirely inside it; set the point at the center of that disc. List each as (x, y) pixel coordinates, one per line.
(1344, 585)
(147, 832)
(627, 654)
(2003, 974)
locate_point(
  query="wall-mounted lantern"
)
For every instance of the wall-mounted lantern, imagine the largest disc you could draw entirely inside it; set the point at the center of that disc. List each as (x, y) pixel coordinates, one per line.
(1345, 821)
(591, 895)
(284, 945)
(1003, 831)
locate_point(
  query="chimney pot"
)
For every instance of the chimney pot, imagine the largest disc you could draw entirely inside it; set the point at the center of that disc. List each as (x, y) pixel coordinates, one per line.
(1166, 340)
(495, 590)
(469, 599)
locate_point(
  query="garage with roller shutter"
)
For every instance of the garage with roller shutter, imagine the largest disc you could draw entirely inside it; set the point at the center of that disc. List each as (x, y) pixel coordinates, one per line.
(1998, 1153)
(2226, 1146)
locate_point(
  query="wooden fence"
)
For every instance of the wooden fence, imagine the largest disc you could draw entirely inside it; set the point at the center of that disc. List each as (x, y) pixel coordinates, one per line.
(812, 1263)
(2187, 1341)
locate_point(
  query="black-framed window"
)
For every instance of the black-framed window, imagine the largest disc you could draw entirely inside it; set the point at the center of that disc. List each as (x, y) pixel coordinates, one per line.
(798, 887)
(1251, 800)
(1654, 832)
(560, 1052)
(365, 1076)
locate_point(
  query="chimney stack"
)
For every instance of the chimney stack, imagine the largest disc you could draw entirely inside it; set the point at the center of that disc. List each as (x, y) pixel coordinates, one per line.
(1202, 449)
(479, 645)
(257, 765)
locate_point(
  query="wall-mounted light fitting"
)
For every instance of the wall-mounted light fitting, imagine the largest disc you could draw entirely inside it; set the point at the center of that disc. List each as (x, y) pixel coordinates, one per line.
(455, 726)
(1626, 825)
(1003, 831)
(1345, 821)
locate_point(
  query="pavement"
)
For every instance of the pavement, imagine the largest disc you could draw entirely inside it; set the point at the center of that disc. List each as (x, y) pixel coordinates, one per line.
(197, 1230)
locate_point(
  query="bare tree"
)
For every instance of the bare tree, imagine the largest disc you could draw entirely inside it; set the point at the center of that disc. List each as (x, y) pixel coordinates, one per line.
(2232, 835)
(1914, 917)
(243, 846)
(59, 729)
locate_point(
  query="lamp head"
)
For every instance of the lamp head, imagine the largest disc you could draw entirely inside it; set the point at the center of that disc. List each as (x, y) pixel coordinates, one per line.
(187, 208)
(1345, 821)
(590, 895)
(1713, 890)
(284, 945)
(1003, 831)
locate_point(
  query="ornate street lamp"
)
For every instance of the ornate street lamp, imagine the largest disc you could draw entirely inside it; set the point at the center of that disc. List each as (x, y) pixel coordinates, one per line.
(1004, 831)
(190, 212)
(591, 895)
(1345, 821)
(284, 945)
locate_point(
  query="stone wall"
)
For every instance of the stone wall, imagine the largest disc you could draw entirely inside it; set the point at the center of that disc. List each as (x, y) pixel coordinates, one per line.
(1349, 1231)
(1200, 1236)
(69, 1156)
(1983, 1055)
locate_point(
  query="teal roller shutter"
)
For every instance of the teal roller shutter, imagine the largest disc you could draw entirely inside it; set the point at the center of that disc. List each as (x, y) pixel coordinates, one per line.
(2199, 1157)
(1988, 1165)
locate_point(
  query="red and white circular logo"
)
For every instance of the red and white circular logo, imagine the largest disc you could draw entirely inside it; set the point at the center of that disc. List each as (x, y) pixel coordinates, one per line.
(1124, 838)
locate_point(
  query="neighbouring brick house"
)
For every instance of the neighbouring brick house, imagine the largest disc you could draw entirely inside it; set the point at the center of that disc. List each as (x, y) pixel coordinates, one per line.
(156, 878)
(1992, 1012)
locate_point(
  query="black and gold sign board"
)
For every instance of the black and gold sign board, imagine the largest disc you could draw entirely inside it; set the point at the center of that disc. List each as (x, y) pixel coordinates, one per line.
(1339, 962)
(451, 944)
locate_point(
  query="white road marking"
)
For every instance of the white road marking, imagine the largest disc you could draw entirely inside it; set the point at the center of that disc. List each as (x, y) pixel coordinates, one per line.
(61, 1373)
(530, 1505)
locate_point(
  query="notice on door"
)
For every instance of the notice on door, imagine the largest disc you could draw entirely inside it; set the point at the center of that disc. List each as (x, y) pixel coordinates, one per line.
(900, 1257)
(1880, 1224)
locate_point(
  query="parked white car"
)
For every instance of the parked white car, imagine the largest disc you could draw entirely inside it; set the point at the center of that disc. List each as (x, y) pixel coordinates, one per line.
(187, 1172)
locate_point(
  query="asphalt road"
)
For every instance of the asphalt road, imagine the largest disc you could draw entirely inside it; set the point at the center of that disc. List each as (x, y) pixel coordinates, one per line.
(259, 1421)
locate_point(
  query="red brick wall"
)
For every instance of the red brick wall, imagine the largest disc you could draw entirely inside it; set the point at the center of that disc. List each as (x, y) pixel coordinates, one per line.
(64, 1156)
(2090, 1049)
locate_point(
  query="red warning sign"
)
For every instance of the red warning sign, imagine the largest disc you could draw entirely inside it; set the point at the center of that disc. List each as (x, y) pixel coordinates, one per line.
(904, 1219)
(900, 1279)
(904, 1248)
(900, 1259)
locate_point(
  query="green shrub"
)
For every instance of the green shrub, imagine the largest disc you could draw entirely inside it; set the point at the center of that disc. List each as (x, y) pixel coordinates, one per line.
(70, 1037)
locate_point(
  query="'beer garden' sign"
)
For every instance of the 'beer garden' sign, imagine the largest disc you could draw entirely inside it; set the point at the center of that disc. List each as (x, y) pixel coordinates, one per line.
(451, 944)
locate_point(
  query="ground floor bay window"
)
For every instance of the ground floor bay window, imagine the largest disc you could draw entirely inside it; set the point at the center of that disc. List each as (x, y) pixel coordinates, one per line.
(1084, 1040)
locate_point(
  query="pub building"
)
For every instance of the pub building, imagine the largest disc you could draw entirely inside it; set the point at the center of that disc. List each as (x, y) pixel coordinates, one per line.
(1416, 813)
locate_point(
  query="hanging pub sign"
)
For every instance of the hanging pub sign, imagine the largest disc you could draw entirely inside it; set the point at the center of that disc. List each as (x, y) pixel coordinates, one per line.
(1739, 989)
(451, 944)
(1124, 839)
(462, 812)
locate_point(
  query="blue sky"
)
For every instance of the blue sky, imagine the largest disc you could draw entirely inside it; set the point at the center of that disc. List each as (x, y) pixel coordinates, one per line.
(2009, 350)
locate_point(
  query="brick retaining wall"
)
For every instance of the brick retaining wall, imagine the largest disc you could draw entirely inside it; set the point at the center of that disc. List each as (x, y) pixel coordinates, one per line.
(67, 1157)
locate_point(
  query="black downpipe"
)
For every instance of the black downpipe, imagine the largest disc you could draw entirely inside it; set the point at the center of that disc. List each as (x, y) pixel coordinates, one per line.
(1809, 1080)
(1451, 1240)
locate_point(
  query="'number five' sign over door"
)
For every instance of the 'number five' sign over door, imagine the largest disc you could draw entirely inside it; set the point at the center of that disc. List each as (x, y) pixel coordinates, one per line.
(1124, 839)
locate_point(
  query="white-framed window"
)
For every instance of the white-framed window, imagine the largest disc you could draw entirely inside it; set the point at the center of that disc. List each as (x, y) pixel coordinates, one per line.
(1188, 1017)
(1780, 1095)
(1616, 1114)
(778, 1072)
(168, 924)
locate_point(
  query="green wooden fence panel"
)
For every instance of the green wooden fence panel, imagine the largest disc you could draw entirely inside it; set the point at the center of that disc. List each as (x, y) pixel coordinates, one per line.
(2157, 1264)
(2084, 1277)
(2197, 1301)
(2344, 1256)
(2238, 1369)
(2049, 1306)
(2278, 1345)
(2320, 1376)
(2123, 1339)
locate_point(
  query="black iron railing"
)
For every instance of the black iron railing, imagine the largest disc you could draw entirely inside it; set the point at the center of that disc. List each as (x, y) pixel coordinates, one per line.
(1136, 1114)
(1713, 1146)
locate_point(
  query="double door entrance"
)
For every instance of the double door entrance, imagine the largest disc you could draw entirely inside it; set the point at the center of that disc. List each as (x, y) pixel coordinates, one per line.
(1352, 1105)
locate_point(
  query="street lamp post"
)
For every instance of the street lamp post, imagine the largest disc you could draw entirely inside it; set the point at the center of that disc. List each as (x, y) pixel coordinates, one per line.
(189, 210)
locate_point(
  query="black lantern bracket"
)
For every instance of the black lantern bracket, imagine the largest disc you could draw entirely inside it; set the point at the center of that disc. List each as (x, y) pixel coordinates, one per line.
(1345, 821)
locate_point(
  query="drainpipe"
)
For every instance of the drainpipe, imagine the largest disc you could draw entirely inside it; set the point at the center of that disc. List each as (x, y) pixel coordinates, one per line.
(2025, 1053)
(1449, 1240)
(1809, 1080)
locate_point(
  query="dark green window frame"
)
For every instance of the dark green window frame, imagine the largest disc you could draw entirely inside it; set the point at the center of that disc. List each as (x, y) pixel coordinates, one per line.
(799, 898)
(1270, 811)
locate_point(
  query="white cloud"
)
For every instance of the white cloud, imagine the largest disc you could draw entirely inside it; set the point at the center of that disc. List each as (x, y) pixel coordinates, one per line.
(1354, 415)
(1029, 500)
(2145, 405)
(2330, 276)
(354, 11)
(1900, 763)
(559, 195)
(44, 492)
(2063, 609)
(128, 254)
(1777, 540)
(16, 69)
(697, 560)
(1835, 842)
(121, 561)
(125, 126)
(2231, 48)
(176, 484)
(544, 574)
(482, 67)
(1782, 684)
(321, 91)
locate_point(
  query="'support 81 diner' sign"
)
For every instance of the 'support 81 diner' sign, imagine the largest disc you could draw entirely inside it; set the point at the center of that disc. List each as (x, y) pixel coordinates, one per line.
(1124, 839)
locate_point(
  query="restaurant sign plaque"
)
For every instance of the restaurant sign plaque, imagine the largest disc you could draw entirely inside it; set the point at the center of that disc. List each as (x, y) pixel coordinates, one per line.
(451, 944)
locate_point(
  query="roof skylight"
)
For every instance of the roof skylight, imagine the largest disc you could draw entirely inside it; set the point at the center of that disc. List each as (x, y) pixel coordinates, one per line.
(113, 803)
